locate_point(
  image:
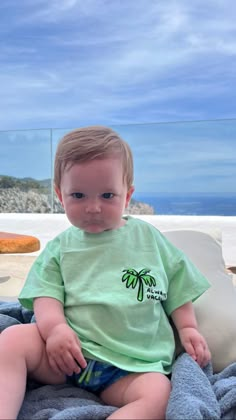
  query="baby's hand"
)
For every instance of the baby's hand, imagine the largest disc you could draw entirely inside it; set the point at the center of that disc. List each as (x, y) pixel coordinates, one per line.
(64, 350)
(195, 345)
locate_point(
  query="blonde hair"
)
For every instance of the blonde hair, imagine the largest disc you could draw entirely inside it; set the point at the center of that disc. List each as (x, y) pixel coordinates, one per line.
(89, 143)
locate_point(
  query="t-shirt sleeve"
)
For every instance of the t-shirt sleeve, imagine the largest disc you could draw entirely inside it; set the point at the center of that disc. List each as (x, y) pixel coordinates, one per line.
(185, 282)
(44, 278)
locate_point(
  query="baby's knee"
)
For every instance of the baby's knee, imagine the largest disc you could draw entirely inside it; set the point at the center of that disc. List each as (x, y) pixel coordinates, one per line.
(16, 338)
(156, 384)
(10, 337)
(156, 395)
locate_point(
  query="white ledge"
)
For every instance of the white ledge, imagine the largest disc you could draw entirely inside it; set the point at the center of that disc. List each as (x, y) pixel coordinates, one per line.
(47, 226)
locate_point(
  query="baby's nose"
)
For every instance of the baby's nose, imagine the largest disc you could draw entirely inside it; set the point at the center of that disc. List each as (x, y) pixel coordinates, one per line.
(93, 206)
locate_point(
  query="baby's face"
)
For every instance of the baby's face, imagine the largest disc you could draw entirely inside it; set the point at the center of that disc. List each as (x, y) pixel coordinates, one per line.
(94, 195)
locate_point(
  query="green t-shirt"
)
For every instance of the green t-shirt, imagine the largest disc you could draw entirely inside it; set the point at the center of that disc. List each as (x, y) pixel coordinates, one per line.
(118, 289)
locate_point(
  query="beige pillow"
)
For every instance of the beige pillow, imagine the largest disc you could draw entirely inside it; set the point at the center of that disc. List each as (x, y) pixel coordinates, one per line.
(216, 308)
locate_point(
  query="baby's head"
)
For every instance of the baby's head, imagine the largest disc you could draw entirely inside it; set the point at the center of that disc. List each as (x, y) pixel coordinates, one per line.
(93, 177)
(90, 143)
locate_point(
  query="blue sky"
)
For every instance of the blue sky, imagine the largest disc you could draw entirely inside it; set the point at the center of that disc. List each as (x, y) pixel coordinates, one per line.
(68, 63)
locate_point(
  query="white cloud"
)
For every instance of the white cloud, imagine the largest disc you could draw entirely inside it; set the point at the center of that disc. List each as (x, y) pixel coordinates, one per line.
(132, 61)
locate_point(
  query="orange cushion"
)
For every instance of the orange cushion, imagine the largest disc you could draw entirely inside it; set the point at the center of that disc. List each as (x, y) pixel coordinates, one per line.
(11, 243)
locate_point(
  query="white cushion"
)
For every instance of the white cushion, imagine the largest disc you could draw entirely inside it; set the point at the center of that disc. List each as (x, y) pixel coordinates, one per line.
(216, 308)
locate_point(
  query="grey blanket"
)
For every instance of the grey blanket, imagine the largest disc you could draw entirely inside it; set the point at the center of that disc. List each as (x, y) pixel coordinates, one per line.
(196, 393)
(199, 394)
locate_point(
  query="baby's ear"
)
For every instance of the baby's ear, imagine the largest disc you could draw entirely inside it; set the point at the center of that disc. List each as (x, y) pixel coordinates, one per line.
(129, 195)
(58, 193)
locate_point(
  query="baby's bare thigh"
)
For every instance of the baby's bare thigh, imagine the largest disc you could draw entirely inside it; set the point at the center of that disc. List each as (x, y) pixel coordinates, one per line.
(136, 386)
(24, 341)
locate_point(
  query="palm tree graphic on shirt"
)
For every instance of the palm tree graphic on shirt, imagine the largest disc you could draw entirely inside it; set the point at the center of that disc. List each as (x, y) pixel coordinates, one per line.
(134, 278)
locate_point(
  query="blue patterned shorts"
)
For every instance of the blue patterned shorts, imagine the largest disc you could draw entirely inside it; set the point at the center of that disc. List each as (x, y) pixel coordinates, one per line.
(96, 376)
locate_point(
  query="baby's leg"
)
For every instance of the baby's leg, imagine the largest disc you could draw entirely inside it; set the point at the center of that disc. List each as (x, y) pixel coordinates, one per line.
(22, 352)
(139, 396)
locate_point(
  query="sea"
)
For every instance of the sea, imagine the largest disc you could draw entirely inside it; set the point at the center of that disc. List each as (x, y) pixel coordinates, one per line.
(190, 204)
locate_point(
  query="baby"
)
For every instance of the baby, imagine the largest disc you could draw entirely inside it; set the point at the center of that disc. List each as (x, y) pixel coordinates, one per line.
(103, 292)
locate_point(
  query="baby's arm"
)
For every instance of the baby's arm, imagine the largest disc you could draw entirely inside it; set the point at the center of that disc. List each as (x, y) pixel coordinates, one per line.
(191, 339)
(62, 344)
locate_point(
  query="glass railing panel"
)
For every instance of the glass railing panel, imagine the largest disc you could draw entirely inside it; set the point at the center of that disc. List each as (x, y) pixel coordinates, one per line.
(184, 168)
(25, 171)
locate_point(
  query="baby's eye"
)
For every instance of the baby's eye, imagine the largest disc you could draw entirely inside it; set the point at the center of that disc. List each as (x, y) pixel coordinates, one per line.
(77, 195)
(107, 195)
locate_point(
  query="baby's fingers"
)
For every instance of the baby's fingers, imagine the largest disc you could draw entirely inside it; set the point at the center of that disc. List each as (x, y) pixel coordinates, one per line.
(79, 358)
(199, 351)
(69, 364)
(206, 357)
(203, 354)
(190, 349)
(73, 359)
(56, 365)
